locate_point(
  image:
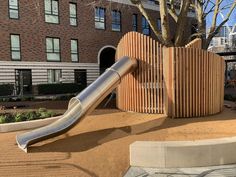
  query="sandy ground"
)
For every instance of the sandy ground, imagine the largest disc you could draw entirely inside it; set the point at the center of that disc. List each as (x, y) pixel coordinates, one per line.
(99, 145)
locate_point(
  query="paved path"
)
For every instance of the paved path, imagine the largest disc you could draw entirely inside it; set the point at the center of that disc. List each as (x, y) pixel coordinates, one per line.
(216, 171)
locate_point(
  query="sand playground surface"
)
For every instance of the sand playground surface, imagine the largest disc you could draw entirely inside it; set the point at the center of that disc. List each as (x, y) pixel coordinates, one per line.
(99, 145)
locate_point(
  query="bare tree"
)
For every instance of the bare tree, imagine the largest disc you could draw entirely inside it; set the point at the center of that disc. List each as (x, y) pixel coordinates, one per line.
(178, 10)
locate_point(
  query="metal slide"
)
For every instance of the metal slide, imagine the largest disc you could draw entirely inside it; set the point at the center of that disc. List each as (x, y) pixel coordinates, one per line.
(81, 105)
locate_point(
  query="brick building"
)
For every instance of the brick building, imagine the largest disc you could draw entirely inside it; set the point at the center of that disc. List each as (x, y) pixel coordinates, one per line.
(47, 41)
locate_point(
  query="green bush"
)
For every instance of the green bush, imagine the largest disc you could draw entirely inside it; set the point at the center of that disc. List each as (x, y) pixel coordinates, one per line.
(19, 117)
(26, 116)
(2, 119)
(6, 89)
(6, 118)
(230, 97)
(61, 88)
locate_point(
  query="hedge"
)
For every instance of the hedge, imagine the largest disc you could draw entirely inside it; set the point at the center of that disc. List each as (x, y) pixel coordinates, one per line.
(6, 89)
(41, 113)
(59, 88)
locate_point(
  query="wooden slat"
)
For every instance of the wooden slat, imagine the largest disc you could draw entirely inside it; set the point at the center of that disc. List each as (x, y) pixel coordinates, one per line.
(194, 79)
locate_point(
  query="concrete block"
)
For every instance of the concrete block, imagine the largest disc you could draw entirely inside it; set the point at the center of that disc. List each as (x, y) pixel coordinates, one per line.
(183, 154)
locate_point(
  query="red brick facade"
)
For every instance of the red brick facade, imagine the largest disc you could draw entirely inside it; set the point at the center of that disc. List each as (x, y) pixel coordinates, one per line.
(33, 29)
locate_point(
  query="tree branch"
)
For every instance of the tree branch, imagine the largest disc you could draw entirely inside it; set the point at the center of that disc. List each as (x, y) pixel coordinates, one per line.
(217, 29)
(152, 24)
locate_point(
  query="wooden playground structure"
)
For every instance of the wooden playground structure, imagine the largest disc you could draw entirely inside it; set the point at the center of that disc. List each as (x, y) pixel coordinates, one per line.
(177, 81)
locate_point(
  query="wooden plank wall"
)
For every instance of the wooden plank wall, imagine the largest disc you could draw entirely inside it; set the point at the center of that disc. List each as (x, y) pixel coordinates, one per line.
(191, 83)
(141, 91)
(196, 43)
(197, 85)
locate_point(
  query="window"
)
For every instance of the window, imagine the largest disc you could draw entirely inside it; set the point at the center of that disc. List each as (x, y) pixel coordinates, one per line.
(13, 9)
(74, 50)
(135, 22)
(116, 20)
(54, 75)
(15, 47)
(152, 1)
(51, 11)
(73, 14)
(222, 41)
(145, 26)
(99, 18)
(159, 24)
(53, 49)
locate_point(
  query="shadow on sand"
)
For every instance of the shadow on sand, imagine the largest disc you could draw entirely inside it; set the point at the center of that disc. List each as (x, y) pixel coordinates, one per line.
(89, 140)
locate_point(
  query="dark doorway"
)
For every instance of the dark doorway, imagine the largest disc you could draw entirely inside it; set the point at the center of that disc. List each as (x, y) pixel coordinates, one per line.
(107, 58)
(81, 77)
(23, 81)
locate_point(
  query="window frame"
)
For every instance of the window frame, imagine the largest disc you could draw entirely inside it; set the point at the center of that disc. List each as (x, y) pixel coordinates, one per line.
(159, 24)
(15, 50)
(99, 18)
(115, 21)
(71, 53)
(18, 10)
(54, 75)
(51, 12)
(145, 26)
(135, 25)
(46, 49)
(76, 13)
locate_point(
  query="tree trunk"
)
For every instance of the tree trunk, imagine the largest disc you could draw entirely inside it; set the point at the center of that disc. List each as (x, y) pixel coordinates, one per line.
(165, 23)
(182, 23)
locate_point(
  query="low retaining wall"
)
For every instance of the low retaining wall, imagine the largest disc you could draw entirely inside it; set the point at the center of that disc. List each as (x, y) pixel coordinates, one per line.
(16, 126)
(180, 154)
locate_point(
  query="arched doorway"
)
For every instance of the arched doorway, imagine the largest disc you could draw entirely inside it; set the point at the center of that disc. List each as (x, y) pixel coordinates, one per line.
(106, 57)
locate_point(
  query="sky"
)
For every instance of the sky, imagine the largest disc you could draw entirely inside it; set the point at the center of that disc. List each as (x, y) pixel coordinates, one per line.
(232, 20)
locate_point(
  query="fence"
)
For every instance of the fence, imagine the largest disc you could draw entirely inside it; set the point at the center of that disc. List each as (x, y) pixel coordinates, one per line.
(190, 84)
(194, 81)
(142, 91)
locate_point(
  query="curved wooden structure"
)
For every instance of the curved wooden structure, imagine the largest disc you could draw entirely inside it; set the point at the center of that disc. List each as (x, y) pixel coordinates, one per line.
(191, 83)
(194, 80)
(142, 91)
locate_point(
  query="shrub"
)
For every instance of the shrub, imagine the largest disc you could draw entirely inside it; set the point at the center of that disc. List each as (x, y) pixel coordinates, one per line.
(6, 118)
(43, 113)
(6, 89)
(61, 88)
(19, 117)
(2, 119)
(230, 97)
(26, 116)
(32, 115)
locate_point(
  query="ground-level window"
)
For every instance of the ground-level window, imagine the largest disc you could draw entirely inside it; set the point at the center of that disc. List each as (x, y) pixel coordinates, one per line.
(145, 26)
(53, 49)
(81, 77)
(15, 47)
(74, 50)
(54, 75)
(99, 18)
(13, 9)
(51, 10)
